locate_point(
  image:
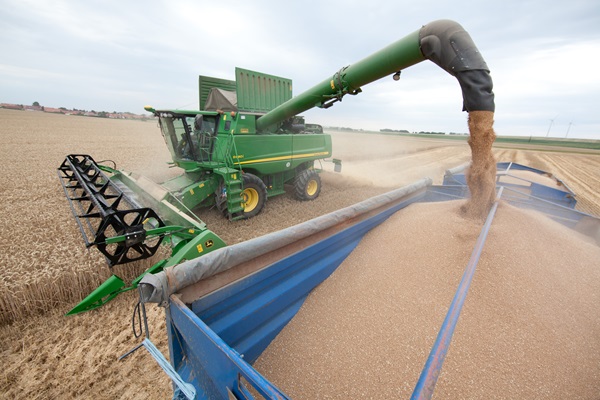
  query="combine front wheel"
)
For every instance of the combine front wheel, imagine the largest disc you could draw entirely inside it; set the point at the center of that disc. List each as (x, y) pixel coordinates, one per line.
(307, 185)
(254, 195)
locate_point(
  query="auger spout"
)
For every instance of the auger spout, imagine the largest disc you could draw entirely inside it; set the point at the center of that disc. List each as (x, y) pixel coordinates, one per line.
(448, 45)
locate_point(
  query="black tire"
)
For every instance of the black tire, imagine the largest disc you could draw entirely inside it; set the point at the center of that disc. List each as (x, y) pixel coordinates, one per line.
(254, 195)
(307, 185)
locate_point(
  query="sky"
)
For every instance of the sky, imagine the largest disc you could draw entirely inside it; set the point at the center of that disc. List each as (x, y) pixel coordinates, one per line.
(122, 55)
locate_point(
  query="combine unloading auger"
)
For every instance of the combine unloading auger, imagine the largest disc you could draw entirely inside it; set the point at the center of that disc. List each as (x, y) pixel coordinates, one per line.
(444, 42)
(225, 162)
(448, 45)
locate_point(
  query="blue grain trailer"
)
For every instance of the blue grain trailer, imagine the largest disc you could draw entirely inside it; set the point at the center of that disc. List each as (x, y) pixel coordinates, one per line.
(224, 309)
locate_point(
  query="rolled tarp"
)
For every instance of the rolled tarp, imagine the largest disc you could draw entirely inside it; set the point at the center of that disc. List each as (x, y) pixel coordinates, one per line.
(156, 288)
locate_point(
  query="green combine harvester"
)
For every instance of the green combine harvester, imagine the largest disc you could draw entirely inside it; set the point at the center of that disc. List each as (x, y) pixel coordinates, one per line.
(228, 160)
(244, 145)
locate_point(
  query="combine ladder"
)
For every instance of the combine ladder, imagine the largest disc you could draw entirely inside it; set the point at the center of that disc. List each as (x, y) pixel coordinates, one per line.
(233, 188)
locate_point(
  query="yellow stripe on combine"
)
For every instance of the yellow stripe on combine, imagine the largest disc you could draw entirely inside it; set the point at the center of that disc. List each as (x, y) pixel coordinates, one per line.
(295, 156)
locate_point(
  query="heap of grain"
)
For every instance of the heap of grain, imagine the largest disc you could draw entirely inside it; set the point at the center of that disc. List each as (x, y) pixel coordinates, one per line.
(529, 328)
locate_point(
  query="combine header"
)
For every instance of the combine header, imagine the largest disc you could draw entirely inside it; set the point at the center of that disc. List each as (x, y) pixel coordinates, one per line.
(106, 217)
(111, 218)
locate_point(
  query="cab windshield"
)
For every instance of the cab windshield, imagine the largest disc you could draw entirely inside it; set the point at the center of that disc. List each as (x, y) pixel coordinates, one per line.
(189, 137)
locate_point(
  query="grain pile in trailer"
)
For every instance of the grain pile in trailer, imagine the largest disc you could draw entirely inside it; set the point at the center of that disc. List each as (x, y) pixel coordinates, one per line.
(529, 328)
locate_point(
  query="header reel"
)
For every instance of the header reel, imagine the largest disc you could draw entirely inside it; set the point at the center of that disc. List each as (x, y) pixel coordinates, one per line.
(107, 218)
(110, 217)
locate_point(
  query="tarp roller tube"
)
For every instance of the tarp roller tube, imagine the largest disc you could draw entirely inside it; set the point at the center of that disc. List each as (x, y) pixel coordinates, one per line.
(156, 288)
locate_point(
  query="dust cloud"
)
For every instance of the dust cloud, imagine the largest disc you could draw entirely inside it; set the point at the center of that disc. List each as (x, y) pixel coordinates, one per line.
(387, 161)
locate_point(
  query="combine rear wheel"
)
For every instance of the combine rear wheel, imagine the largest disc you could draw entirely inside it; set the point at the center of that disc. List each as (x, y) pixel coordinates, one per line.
(307, 185)
(254, 195)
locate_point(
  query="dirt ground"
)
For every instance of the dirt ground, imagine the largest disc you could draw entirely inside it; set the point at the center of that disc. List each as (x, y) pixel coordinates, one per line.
(46, 267)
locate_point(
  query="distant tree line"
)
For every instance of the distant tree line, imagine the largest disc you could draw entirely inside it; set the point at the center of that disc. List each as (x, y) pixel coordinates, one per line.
(386, 130)
(344, 128)
(418, 133)
(35, 106)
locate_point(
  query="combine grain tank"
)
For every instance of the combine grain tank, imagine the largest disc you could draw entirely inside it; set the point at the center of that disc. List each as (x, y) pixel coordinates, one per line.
(225, 308)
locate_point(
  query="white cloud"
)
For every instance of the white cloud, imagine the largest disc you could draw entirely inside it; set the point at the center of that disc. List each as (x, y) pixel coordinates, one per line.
(122, 55)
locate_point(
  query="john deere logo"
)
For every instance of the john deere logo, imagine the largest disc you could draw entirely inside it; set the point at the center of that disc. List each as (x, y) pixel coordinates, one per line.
(208, 243)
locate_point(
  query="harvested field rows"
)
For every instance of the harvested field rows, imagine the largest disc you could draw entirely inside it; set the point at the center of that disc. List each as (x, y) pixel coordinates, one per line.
(46, 269)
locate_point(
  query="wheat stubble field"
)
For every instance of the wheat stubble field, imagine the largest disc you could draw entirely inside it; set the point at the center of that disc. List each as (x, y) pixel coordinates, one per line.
(46, 269)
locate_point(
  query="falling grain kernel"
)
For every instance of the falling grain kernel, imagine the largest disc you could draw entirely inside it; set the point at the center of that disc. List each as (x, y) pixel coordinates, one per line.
(481, 175)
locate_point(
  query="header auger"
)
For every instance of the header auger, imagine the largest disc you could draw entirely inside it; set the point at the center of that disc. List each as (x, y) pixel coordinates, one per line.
(244, 144)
